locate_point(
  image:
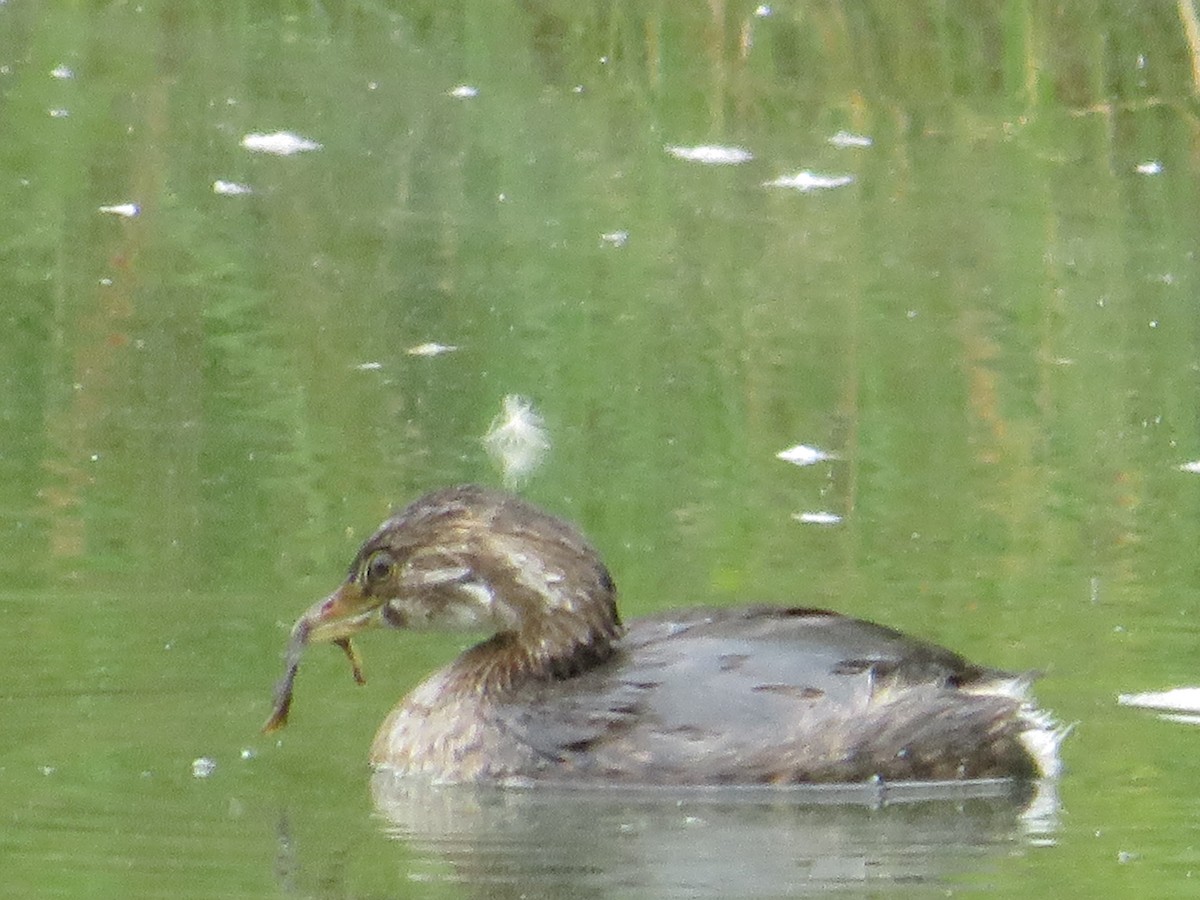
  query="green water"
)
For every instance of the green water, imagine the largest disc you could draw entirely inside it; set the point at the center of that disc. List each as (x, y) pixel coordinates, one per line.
(206, 406)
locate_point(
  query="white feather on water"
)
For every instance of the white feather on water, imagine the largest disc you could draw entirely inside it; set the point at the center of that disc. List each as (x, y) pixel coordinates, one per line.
(517, 440)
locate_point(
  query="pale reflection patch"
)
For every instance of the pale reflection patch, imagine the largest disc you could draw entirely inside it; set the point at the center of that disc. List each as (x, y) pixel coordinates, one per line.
(564, 839)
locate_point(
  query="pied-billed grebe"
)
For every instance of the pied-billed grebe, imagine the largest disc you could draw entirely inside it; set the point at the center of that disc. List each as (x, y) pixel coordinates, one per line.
(704, 696)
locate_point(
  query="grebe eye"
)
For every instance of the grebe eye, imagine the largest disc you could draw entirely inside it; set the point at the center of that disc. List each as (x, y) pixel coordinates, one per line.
(378, 567)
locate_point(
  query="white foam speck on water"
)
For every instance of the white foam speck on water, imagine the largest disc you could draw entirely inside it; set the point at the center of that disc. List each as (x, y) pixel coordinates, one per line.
(846, 139)
(805, 181)
(1179, 700)
(1180, 719)
(231, 188)
(431, 348)
(279, 143)
(711, 154)
(804, 455)
(817, 518)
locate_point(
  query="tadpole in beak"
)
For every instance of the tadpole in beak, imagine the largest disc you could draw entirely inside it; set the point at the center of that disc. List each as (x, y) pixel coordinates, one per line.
(295, 647)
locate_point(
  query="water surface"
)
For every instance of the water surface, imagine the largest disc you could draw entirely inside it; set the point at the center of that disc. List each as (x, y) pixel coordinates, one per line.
(983, 307)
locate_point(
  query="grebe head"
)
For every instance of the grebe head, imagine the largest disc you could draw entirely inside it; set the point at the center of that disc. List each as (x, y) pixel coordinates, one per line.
(470, 558)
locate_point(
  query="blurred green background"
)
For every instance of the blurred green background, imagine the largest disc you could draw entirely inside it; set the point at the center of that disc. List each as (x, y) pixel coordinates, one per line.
(206, 406)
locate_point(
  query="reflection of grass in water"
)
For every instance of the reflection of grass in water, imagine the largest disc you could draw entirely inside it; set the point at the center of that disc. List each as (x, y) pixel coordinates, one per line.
(270, 298)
